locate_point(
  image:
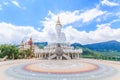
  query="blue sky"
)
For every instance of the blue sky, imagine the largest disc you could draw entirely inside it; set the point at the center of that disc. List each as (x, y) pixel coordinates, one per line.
(83, 21)
(31, 12)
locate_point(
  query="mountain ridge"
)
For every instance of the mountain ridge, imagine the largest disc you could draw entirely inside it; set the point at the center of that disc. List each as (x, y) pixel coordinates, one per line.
(107, 46)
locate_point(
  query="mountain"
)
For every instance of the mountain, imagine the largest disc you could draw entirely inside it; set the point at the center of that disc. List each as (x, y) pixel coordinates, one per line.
(96, 50)
(41, 44)
(77, 45)
(108, 46)
(105, 46)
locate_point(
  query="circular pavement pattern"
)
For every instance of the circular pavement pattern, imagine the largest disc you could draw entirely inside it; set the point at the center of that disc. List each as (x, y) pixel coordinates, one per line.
(83, 69)
(61, 67)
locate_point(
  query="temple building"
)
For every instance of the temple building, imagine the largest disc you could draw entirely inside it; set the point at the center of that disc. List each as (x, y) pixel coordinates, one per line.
(27, 45)
(59, 49)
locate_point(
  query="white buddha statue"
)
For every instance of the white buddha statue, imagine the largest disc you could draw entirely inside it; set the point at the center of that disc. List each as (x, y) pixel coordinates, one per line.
(59, 35)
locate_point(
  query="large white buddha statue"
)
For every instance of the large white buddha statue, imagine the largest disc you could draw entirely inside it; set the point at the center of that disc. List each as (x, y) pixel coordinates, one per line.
(59, 35)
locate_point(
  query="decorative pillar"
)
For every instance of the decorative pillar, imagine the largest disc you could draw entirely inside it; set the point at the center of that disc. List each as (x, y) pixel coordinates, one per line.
(60, 57)
(49, 55)
(78, 56)
(38, 55)
(75, 55)
(45, 55)
(72, 55)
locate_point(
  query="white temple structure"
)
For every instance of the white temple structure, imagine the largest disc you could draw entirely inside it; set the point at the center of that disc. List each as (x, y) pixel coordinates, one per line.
(59, 49)
(60, 35)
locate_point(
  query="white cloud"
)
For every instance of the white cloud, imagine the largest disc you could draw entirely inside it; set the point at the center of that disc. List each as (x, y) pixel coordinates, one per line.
(10, 33)
(103, 32)
(15, 34)
(16, 4)
(91, 14)
(71, 17)
(108, 3)
(13, 2)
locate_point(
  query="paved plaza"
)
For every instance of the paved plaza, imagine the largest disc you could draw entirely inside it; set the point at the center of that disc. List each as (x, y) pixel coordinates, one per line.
(81, 69)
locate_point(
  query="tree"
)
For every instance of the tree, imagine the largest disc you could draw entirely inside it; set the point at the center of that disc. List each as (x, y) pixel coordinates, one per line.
(27, 53)
(10, 50)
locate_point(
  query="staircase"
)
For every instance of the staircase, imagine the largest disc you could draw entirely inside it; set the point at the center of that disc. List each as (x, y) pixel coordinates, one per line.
(67, 57)
(51, 57)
